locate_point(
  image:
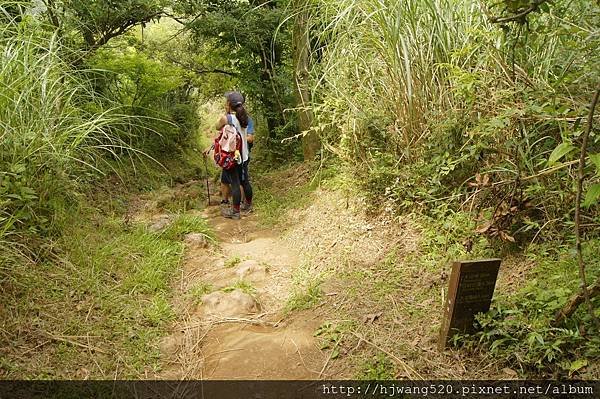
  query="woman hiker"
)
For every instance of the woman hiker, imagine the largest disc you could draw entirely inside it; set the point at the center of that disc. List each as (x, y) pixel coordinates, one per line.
(225, 183)
(237, 177)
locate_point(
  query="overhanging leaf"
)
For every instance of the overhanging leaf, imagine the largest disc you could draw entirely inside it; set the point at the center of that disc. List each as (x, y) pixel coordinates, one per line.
(595, 158)
(592, 195)
(560, 151)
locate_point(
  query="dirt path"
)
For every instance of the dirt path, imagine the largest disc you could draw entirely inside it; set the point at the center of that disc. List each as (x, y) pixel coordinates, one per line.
(238, 328)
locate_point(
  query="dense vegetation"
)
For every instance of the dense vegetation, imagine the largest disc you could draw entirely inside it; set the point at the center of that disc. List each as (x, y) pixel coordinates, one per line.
(450, 108)
(472, 112)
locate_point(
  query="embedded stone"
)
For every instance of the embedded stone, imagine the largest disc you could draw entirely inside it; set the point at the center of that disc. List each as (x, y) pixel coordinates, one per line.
(196, 240)
(228, 304)
(251, 270)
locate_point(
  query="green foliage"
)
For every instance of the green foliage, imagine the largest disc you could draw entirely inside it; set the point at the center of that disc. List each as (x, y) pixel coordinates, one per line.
(158, 311)
(447, 236)
(199, 290)
(241, 285)
(305, 298)
(155, 92)
(427, 96)
(109, 283)
(592, 195)
(560, 151)
(379, 367)
(518, 329)
(250, 43)
(140, 79)
(331, 336)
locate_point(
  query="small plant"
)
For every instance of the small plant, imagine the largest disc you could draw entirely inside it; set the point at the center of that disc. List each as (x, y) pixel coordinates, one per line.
(199, 290)
(378, 368)
(241, 285)
(331, 336)
(232, 262)
(302, 300)
(159, 311)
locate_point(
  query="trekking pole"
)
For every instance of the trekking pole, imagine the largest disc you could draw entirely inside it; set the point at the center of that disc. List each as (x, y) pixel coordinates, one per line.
(206, 170)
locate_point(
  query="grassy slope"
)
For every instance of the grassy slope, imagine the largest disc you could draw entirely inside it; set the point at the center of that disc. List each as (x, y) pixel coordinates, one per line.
(393, 297)
(98, 303)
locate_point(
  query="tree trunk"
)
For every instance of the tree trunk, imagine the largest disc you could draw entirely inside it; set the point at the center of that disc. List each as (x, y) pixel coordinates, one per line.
(270, 98)
(301, 48)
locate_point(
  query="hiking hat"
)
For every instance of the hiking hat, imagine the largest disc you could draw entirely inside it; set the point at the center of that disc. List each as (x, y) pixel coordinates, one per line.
(235, 98)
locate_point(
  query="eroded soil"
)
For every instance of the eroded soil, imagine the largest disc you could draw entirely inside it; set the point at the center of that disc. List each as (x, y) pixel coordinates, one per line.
(239, 329)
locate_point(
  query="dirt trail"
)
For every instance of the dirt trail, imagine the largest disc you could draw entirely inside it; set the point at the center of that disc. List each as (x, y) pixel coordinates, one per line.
(239, 329)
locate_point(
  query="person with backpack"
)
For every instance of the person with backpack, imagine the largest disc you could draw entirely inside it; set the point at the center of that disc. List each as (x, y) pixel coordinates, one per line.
(226, 183)
(233, 158)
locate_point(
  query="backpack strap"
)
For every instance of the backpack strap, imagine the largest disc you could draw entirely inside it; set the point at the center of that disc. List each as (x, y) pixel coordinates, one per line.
(229, 119)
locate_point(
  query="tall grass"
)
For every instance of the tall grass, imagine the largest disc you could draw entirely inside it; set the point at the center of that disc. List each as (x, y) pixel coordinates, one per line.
(392, 56)
(405, 60)
(432, 85)
(53, 131)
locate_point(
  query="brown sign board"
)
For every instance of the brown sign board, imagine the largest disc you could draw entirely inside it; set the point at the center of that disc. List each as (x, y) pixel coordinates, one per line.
(470, 292)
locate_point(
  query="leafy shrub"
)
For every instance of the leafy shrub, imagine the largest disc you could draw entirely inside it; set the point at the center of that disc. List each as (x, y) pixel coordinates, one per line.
(51, 144)
(153, 92)
(520, 331)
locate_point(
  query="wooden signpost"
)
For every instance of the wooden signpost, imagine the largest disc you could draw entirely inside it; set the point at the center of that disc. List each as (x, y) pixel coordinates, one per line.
(470, 291)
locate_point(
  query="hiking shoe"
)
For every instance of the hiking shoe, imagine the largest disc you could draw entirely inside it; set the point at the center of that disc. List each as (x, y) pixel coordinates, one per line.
(247, 208)
(224, 206)
(230, 214)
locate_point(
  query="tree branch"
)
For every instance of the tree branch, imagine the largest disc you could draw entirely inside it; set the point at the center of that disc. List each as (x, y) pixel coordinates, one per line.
(176, 18)
(517, 17)
(111, 31)
(574, 302)
(585, 294)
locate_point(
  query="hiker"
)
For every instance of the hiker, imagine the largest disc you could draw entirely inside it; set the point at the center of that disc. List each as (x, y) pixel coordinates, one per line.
(237, 177)
(225, 183)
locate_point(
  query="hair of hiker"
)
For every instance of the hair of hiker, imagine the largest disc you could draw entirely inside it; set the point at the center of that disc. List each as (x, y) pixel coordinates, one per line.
(241, 115)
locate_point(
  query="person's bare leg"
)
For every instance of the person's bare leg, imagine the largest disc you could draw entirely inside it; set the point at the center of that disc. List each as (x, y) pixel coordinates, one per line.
(225, 191)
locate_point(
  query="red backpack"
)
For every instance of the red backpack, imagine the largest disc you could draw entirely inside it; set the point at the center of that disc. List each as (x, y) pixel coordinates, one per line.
(226, 145)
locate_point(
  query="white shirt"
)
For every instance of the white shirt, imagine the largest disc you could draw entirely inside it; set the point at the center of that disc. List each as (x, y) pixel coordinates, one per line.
(243, 133)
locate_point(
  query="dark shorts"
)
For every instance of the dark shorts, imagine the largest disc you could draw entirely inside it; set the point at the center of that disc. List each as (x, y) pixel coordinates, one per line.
(224, 177)
(242, 170)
